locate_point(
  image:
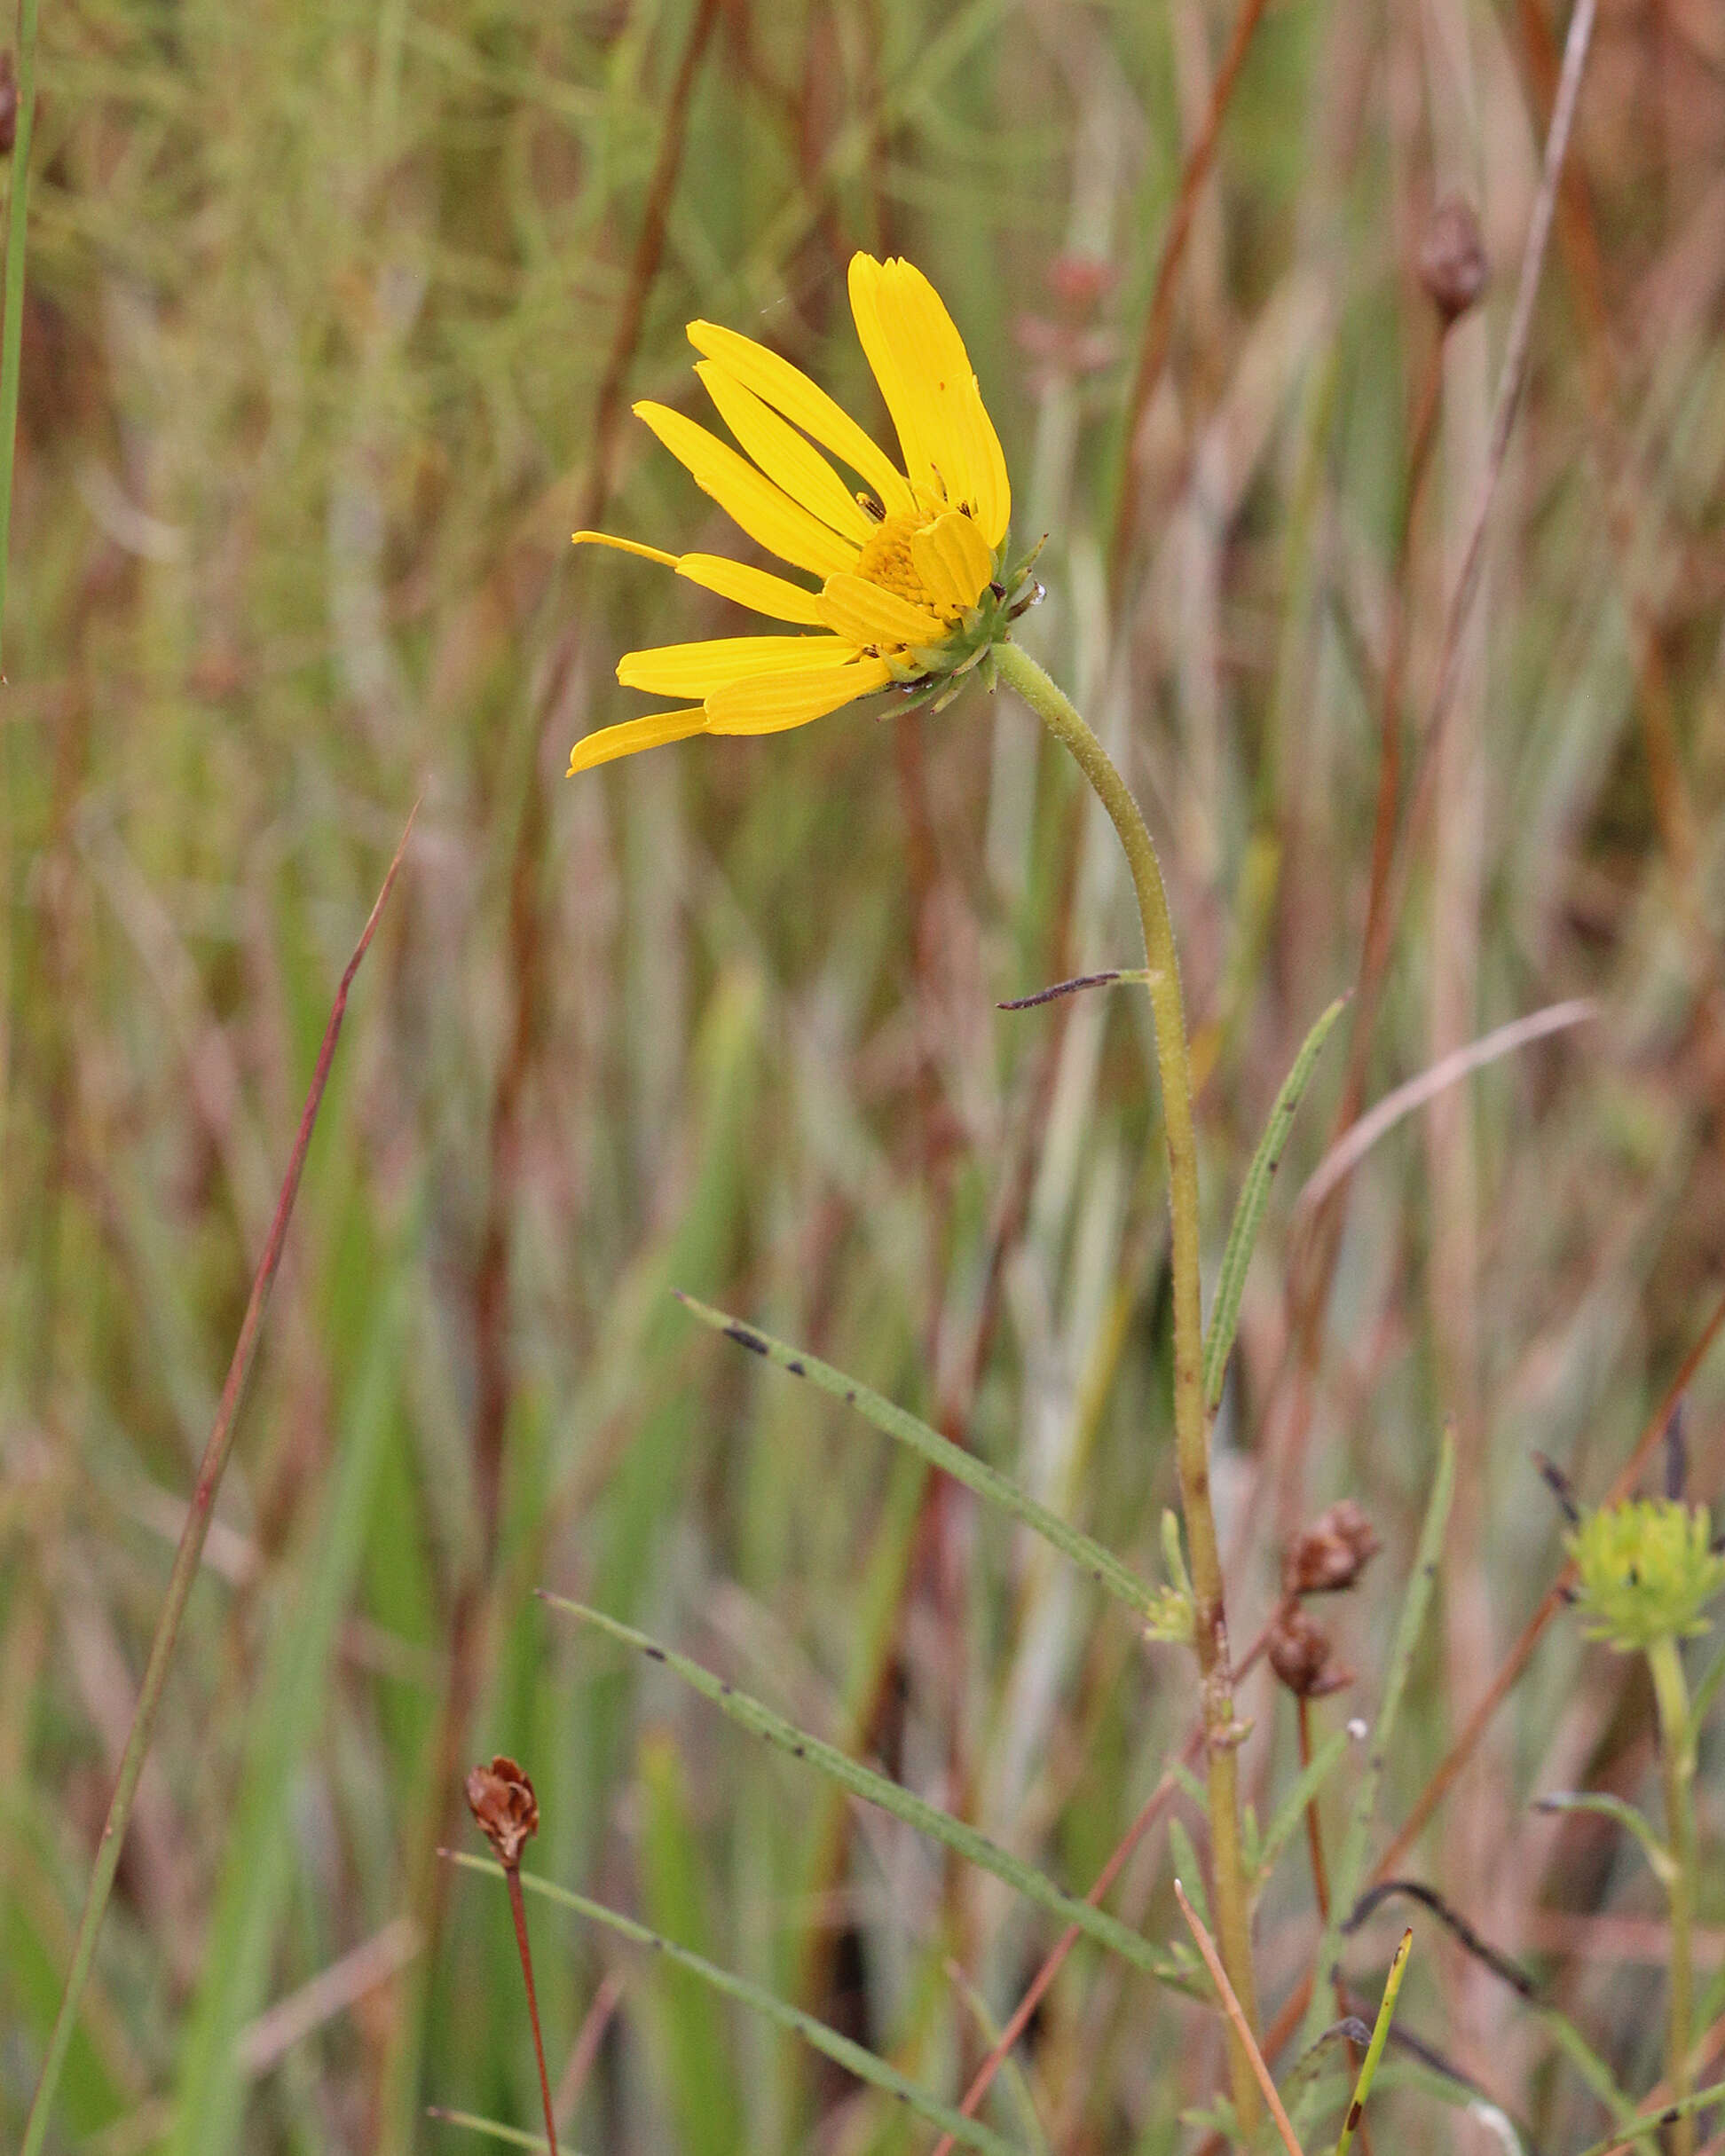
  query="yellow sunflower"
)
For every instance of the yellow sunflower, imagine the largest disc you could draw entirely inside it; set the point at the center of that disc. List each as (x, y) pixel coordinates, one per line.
(913, 588)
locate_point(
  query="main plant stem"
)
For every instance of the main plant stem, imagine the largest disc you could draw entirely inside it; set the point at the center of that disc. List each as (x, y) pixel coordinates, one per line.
(1677, 1760)
(1191, 1421)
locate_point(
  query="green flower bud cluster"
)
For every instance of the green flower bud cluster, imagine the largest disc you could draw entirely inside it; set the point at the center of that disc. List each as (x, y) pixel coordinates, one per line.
(1646, 1571)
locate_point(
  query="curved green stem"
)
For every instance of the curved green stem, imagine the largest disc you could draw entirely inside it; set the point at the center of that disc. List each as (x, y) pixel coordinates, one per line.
(1677, 1762)
(1191, 1420)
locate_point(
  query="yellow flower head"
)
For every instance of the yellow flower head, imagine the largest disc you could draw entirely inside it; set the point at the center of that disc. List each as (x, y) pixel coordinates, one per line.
(912, 586)
(1646, 1570)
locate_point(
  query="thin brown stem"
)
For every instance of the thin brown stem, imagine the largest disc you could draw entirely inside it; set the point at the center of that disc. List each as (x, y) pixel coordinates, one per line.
(1237, 2020)
(1159, 322)
(512, 1873)
(1314, 1826)
(190, 1552)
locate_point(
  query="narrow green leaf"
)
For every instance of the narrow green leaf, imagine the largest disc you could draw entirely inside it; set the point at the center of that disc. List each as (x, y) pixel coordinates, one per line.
(287, 1708)
(1189, 1872)
(1622, 1815)
(1592, 2069)
(1706, 1691)
(1386, 2014)
(1249, 1212)
(698, 2066)
(1349, 1871)
(1646, 2122)
(1327, 2062)
(516, 2137)
(876, 1789)
(1292, 1808)
(855, 2059)
(1102, 1565)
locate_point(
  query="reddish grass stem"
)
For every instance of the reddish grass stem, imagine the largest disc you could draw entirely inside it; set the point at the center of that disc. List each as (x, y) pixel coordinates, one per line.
(187, 1556)
(1159, 322)
(1241, 2027)
(518, 1910)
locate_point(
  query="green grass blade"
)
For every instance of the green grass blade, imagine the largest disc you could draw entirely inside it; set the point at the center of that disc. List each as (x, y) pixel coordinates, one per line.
(1606, 1806)
(1375, 2051)
(1292, 1809)
(1249, 1212)
(286, 1712)
(855, 2059)
(189, 1553)
(993, 1487)
(1638, 2129)
(1307, 2086)
(1592, 2069)
(1349, 1872)
(516, 2137)
(698, 2061)
(875, 1789)
(1706, 1691)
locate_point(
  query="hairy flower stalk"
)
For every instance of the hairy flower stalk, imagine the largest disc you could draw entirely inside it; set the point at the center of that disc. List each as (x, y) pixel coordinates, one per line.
(918, 590)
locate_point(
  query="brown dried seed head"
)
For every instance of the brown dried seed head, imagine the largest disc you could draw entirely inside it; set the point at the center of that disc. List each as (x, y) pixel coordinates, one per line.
(1300, 1655)
(1331, 1553)
(501, 1799)
(1454, 267)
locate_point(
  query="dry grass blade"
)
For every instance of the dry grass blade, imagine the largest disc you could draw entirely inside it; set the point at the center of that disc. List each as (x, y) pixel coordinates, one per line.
(191, 1541)
(1512, 378)
(1159, 322)
(1242, 2030)
(1344, 1157)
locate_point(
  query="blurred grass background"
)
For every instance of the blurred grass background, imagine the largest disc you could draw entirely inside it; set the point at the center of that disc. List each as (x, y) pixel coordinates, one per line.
(335, 312)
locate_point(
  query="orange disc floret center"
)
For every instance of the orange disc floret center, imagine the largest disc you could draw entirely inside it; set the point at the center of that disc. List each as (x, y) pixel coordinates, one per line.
(887, 559)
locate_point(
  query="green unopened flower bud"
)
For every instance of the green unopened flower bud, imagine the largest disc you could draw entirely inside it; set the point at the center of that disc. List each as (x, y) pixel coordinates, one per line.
(1647, 1569)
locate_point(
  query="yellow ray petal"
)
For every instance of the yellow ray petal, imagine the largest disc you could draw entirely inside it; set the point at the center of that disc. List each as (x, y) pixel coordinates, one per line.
(697, 670)
(770, 705)
(776, 597)
(952, 560)
(622, 546)
(784, 455)
(789, 391)
(933, 350)
(764, 511)
(865, 280)
(870, 614)
(651, 732)
(926, 356)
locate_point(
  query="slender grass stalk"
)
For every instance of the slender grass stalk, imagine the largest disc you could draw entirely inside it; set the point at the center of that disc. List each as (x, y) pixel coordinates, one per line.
(12, 330)
(1386, 2014)
(518, 1910)
(190, 1553)
(1191, 1419)
(1677, 1765)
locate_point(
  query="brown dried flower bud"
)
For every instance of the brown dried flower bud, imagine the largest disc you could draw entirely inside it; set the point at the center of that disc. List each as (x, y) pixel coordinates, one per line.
(1454, 267)
(1331, 1553)
(501, 1799)
(1300, 1655)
